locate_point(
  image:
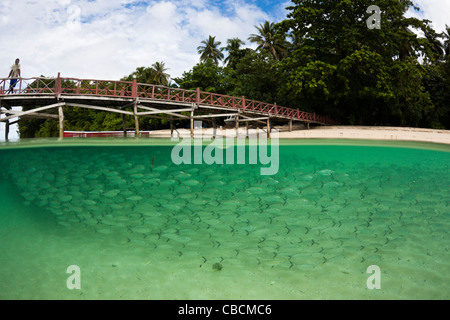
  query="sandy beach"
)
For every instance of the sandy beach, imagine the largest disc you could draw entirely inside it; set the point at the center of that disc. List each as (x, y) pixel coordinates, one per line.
(371, 133)
(349, 132)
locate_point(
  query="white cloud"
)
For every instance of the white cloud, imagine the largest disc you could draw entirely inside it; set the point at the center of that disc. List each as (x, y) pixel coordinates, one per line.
(436, 11)
(108, 39)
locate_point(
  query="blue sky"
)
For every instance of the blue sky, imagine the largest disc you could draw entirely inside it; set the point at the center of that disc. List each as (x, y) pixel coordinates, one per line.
(110, 38)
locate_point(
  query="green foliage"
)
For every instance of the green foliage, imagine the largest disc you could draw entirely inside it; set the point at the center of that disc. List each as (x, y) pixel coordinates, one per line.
(436, 80)
(156, 74)
(210, 50)
(270, 39)
(235, 53)
(355, 74)
(255, 77)
(207, 76)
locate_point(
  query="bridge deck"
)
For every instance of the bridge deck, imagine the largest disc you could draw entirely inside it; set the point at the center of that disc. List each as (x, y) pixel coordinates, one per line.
(40, 94)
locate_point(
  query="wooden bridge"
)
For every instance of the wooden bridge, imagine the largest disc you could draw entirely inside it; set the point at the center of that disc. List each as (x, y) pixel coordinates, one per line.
(40, 95)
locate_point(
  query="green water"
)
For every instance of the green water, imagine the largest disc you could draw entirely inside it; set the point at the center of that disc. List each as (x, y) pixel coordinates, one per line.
(140, 227)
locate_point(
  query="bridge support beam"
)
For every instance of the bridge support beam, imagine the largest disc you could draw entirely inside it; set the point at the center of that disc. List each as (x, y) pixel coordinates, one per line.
(192, 124)
(136, 119)
(269, 129)
(290, 125)
(171, 127)
(61, 122)
(6, 123)
(124, 125)
(214, 123)
(7, 130)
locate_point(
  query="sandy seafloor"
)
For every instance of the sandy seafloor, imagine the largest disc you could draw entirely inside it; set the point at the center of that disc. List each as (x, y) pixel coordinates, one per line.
(140, 227)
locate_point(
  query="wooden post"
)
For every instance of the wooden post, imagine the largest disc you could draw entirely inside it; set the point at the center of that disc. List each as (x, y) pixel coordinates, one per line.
(198, 97)
(58, 86)
(7, 130)
(307, 125)
(214, 127)
(124, 125)
(6, 123)
(268, 128)
(61, 122)
(134, 90)
(247, 127)
(192, 124)
(237, 124)
(171, 127)
(290, 125)
(136, 120)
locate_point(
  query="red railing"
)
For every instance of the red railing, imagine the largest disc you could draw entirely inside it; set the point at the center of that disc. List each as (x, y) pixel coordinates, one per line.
(126, 89)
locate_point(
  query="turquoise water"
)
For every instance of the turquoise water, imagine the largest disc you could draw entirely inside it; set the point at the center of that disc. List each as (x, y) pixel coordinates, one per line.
(140, 227)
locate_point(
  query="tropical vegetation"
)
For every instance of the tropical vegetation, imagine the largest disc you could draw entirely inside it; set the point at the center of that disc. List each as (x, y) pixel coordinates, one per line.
(322, 58)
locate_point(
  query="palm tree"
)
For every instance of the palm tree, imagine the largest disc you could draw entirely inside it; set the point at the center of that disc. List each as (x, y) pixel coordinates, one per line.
(160, 77)
(446, 36)
(269, 38)
(233, 47)
(143, 75)
(435, 45)
(210, 50)
(406, 46)
(296, 41)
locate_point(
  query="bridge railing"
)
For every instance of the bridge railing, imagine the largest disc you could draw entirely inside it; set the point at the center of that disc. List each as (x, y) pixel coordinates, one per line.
(28, 86)
(94, 87)
(149, 91)
(127, 89)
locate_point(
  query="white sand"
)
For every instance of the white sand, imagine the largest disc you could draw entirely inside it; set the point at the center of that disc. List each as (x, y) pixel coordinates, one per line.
(371, 133)
(350, 132)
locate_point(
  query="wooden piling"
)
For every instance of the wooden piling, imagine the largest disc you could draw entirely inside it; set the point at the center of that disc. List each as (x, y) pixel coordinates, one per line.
(124, 125)
(171, 127)
(61, 122)
(192, 124)
(7, 130)
(247, 127)
(269, 129)
(290, 125)
(136, 120)
(214, 122)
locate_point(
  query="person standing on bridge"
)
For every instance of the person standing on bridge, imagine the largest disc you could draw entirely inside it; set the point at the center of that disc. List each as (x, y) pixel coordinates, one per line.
(14, 75)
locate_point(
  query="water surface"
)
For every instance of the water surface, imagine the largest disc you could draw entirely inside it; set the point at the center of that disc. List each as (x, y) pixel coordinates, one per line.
(140, 227)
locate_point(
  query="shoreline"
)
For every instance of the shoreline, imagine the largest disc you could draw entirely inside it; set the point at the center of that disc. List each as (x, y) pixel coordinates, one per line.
(371, 133)
(349, 132)
(339, 133)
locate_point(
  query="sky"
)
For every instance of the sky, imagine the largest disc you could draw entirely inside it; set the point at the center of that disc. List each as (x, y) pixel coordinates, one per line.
(109, 39)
